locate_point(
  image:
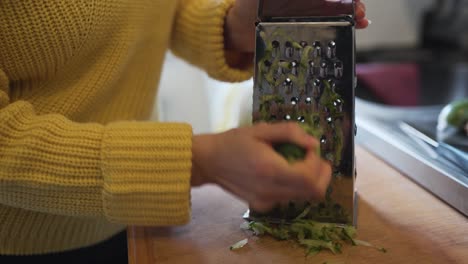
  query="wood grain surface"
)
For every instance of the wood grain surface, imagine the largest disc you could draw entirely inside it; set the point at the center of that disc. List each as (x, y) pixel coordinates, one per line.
(413, 225)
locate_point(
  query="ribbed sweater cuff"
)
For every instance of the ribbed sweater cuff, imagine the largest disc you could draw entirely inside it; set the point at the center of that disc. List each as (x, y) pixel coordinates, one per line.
(146, 169)
(199, 38)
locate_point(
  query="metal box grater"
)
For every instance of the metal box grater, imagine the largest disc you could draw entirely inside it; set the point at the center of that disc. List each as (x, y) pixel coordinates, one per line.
(305, 71)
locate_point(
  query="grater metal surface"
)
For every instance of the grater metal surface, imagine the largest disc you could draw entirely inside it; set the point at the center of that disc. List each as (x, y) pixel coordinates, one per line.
(305, 72)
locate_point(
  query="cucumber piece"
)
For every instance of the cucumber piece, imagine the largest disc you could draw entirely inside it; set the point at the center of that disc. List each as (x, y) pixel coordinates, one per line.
(292, 152)
(454, 115)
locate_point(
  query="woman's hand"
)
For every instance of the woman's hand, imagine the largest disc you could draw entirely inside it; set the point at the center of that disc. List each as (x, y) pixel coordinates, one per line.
(244, 162)
(240, 24)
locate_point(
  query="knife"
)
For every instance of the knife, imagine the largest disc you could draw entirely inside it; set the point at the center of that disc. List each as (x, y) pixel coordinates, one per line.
(436, 149)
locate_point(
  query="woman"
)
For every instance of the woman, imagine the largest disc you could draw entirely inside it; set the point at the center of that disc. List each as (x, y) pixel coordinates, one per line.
(78, 161)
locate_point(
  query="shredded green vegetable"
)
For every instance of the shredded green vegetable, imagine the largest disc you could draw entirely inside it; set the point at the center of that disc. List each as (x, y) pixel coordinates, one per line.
(313, 236)
(293, 152)
(239, 244)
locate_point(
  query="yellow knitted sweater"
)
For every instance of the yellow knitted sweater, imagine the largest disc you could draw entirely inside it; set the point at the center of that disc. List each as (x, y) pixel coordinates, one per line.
(77, 80)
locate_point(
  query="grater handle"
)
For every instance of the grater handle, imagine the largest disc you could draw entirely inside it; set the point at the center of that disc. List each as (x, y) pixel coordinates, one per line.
(268, 9)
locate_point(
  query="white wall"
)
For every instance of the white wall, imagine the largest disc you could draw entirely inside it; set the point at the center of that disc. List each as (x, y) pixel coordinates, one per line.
(188, 95)
(394, 22)
(184, 95)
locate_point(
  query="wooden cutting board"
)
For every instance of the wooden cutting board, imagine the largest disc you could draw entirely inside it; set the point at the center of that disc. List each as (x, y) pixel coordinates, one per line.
(394, 212)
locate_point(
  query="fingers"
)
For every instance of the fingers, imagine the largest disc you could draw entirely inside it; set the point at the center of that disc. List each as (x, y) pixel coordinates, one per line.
(315, 174)
(285, 132)
(305, 183)
(363, 23)
(361, 20)
(360, 4)
(262, 177)
(306, 180)
(360, 11)
(324, 179)
(261, 206)
(313, 187)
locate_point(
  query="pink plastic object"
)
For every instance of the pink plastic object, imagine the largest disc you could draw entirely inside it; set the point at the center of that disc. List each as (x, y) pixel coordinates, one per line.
(393, 84)
(306, 8)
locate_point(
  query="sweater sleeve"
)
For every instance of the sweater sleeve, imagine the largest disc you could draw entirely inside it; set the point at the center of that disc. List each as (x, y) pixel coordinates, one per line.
(198, 37)
(134, 173)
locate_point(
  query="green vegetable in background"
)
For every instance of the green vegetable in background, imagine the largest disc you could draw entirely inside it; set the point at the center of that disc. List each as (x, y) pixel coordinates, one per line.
(452, 124)
(454, 114)
(458, 115)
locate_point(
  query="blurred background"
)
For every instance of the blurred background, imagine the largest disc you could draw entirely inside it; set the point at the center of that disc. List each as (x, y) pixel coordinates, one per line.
(407, 40)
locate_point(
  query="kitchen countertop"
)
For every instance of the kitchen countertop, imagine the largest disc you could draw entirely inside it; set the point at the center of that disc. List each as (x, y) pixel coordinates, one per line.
(395, 213)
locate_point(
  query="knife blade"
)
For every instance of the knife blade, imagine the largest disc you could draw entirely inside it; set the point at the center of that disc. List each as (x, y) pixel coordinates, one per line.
(436, 149)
